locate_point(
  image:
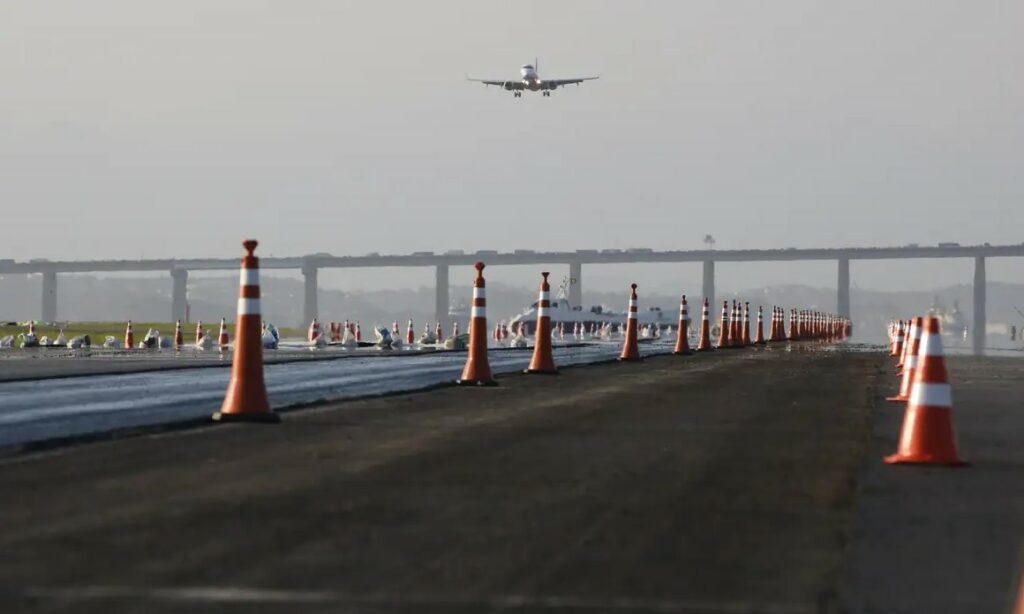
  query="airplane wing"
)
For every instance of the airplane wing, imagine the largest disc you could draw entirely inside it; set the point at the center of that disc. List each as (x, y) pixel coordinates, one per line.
(553, 83)
(508, 85)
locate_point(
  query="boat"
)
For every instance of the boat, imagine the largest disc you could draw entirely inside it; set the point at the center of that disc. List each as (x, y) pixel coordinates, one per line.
(563, 311)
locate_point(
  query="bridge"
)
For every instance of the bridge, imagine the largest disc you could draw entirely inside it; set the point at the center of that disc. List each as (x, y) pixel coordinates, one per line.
(310, 266)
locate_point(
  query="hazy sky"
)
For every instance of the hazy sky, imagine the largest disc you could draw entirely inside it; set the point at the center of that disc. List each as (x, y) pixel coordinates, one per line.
(135, 128)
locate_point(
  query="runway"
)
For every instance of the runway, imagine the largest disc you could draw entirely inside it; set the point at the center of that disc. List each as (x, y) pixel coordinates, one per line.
(48, 409)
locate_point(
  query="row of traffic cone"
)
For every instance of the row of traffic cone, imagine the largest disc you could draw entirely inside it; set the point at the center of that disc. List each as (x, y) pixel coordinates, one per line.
(223, 338)
(927, 435)
(246, 398)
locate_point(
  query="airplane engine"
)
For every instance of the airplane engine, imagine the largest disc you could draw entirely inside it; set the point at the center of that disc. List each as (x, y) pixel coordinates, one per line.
(508, 86)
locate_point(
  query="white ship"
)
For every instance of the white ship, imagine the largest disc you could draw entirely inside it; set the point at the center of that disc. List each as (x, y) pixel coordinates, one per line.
(563, 311)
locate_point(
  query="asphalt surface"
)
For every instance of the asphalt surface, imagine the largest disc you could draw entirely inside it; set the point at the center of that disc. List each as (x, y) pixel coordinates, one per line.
(935, 539)
(742, 481)
(714, 483)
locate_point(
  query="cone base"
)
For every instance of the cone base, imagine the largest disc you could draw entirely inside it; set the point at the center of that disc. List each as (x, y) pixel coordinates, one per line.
(268, 417)
(704, 350)
(475, 382)
(630, 359)
(897, 399)
(541, 371)
(924, 459)
(686, 353)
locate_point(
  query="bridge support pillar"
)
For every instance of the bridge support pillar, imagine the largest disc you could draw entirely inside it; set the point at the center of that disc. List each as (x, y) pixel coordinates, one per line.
(49, 296)
(576, 284)
(709, 283)
(978, 338)
(310, 305)
(441, 300)
(179, 296)
(843, 292)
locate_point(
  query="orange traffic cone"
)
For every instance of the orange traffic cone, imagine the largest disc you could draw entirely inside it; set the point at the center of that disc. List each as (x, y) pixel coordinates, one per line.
(410, 336)
(928, 436)
(682, 341)
(543, 361)
(129, 337)
(630, 347)
(897, 343)
(178, 340)
(759, 332)
(199, 331)
(438, 333)
(222, 337)
(246, 399)
(704, 344)
(314, 330)
(478, 369)
(913, 344)
(746, 324)
(723, 336)
(359, 333)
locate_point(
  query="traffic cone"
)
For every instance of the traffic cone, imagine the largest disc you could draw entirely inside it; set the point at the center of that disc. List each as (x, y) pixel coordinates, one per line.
(682, 342)
(222, 338)
(630, 347)
(199, 331)
(906, 347)
(438, 333)
(129, 337)
(455, 329)
(246, 399)
(759, 332)
(359, 333)
(746, 324)
(704, 344)
(914, 343)
(178, 340)
(478, 369)
(314, 330)
(793, 334)
(543, 361)
(735, 326)
(723, 335)
(928, 436)
(410, 336)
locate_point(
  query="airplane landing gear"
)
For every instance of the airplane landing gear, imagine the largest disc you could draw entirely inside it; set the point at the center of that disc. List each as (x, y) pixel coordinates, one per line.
(548, 94)
(517, 94)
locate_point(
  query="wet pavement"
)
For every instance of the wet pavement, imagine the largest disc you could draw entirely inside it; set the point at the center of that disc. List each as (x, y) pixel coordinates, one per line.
(55, 408)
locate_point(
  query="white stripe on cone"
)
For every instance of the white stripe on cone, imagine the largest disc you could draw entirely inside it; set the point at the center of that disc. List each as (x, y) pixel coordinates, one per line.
(248, 306)
(932, 395)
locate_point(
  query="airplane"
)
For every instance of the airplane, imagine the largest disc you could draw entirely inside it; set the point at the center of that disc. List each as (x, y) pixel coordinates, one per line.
(530, 80)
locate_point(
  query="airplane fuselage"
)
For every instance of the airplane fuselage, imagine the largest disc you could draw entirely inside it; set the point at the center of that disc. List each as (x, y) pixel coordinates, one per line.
(531, 80)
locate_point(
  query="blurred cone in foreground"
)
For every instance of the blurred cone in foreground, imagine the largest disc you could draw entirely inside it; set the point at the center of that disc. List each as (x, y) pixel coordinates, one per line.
(129, 337)
(246, 399)
(630, 347)
(724, 325)
(704, 344)
(178, 340)
(478, 369)
(682, 342)
(543, 361)
(927, 436)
